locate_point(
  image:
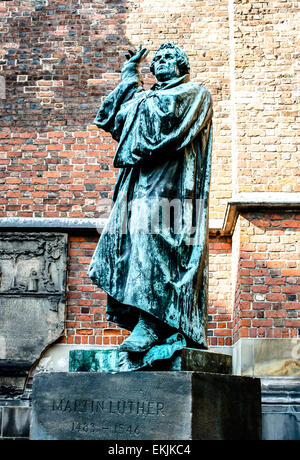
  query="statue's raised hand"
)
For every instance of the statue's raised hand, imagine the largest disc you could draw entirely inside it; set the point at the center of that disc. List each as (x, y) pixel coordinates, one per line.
(137, 56)
(134, 58)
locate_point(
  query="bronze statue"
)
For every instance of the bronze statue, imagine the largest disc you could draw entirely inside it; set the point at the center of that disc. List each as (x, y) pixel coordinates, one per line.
(155, 269)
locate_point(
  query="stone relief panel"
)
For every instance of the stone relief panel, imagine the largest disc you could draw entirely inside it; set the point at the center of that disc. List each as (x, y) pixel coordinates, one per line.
(32, 298)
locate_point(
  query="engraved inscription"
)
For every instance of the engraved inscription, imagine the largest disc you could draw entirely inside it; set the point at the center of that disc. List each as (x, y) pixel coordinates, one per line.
(122, 407)
(124, 417)
(118, 428)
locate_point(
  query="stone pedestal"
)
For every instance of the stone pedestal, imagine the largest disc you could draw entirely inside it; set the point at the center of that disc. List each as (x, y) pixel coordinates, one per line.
(142, 405)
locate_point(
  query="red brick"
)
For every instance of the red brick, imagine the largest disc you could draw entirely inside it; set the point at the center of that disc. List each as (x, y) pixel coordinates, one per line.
(223, 332)
(275, 314)
(291, 272)
(84, 331)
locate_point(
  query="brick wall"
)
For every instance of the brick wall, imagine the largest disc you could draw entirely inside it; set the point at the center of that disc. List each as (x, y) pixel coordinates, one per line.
(55, 173)
(267, 95)
(268, 289)
(52, 53)
(86, 320)
(60, 58)
(220, 292)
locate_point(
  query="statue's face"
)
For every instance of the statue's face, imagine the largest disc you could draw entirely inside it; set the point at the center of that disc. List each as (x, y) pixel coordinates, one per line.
(165, 65)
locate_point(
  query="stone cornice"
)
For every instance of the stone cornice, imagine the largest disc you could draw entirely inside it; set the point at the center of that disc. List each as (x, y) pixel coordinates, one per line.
(259, 201)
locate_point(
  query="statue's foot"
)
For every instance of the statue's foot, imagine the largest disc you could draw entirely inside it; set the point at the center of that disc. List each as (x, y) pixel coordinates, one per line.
(142, 338)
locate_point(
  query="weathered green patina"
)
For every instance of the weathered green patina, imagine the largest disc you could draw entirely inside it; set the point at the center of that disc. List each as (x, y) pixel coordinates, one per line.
(153, 253)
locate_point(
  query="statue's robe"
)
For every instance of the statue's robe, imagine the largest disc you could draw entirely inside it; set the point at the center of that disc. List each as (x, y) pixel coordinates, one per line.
(158, 265)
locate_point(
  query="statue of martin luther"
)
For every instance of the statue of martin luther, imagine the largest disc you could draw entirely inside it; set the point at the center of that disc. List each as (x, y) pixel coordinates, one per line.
(155, 270)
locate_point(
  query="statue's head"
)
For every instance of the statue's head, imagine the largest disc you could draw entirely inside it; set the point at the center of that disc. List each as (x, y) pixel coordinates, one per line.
(169, 62)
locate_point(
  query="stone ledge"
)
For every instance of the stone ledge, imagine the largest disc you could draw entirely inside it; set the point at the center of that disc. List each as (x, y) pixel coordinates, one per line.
(40, 224)
(280, 390)
(69, 225)
(260, 200)
(280, 408)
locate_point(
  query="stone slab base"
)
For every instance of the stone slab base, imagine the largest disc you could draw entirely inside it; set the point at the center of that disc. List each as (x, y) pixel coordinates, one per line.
(188, 359)
(145, 406)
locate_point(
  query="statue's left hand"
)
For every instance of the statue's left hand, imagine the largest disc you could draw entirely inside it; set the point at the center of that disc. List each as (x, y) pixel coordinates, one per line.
(131, 66)
(137, 56)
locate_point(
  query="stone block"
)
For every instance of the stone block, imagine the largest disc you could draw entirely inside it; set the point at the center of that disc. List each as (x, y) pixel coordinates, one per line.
(266, 357)
(145, 406)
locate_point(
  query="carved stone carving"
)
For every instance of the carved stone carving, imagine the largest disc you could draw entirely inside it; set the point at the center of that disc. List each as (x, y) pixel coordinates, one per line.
(32, 299)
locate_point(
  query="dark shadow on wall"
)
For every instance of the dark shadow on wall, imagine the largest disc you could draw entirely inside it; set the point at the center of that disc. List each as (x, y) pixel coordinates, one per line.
(53, 53)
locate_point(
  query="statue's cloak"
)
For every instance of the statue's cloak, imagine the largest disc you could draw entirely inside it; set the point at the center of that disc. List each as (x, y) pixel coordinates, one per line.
(153, 252)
